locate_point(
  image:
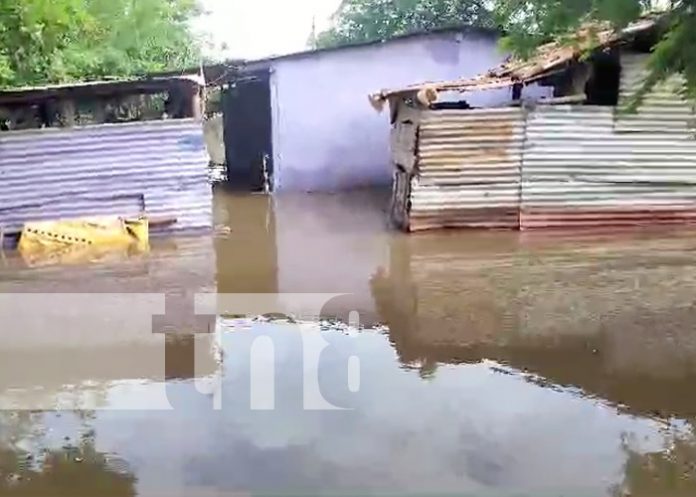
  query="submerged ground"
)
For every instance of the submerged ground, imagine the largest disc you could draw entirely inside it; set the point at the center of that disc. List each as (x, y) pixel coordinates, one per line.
(456, 363)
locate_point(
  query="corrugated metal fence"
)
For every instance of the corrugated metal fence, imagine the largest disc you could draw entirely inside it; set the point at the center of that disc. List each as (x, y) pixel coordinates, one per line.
(578, 171)
(156, 167)
(601, 166)
(468, 169)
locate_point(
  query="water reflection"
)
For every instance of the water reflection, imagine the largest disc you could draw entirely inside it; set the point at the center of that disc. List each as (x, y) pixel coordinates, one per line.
(613, 318)
(467, 430)
(490, 363)
(33, 465)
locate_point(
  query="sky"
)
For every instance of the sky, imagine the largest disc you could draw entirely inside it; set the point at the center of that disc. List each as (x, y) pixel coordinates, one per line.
(259, 28)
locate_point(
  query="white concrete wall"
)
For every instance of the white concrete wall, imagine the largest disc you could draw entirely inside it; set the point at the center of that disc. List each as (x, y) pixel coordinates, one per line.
(326, 135)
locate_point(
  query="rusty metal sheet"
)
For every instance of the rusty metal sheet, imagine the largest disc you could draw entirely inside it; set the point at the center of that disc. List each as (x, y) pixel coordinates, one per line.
(560, 166)
(580, 171)
(468, 165)
(117, 169)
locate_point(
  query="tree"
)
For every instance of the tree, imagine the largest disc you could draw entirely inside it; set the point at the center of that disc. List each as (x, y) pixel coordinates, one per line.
(64, 40)
(369, 20)
(531, 22)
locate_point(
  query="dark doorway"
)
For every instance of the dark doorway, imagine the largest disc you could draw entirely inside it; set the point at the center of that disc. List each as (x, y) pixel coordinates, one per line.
(248, 141)
(604, 85)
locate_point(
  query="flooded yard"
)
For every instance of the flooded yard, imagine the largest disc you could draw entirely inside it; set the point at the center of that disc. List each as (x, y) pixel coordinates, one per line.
(448, 363)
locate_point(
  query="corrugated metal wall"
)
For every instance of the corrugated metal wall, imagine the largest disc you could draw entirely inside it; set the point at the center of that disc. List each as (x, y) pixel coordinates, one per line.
(559, 166)
(598, 166)
(468, 169)
(118, 169)
(662, 110)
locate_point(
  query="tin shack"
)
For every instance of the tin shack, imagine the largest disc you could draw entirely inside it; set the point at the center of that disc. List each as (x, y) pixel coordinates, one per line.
(581, 157)
(123, 148)
(299, 123)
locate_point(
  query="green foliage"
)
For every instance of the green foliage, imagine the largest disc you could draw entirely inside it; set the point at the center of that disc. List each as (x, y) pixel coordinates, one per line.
(531, 22)
(64, 40)
(369, 20)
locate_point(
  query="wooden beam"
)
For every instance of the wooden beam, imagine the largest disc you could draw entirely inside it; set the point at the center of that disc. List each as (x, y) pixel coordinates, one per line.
(196, 105)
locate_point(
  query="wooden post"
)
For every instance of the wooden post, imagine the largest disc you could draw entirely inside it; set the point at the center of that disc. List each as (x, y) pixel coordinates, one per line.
(99, 112)
(195, 101)
(67, 108)
(15, 118)
(2, 246)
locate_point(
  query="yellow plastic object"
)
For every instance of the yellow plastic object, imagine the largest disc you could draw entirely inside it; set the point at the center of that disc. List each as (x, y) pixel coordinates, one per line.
(52, 240)
(77, 255)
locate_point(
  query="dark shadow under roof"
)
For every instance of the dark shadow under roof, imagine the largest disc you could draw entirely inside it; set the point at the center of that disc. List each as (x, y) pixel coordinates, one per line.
(96, 89)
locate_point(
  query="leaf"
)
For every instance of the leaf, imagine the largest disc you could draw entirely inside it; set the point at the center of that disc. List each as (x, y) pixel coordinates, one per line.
(531, 22)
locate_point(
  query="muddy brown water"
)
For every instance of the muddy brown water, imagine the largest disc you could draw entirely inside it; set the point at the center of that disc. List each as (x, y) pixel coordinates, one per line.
(456, 363)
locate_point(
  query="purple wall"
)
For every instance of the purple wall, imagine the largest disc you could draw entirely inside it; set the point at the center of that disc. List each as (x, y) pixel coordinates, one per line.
(326, 135)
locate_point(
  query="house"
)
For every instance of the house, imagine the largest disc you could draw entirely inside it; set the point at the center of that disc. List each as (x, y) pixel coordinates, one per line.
(576, 159)
(299, 122)
(121, 148)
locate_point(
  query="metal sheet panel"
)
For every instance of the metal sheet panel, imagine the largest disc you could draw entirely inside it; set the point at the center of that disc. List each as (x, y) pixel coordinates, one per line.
(579, 171)
(663, 110)
(468, 169)
(117, 169)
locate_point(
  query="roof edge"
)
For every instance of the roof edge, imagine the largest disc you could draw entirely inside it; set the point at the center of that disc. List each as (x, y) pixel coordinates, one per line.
(548, 57)
(461, 28)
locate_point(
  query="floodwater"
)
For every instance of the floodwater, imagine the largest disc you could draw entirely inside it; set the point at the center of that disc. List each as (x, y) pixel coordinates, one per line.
(456, 363)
